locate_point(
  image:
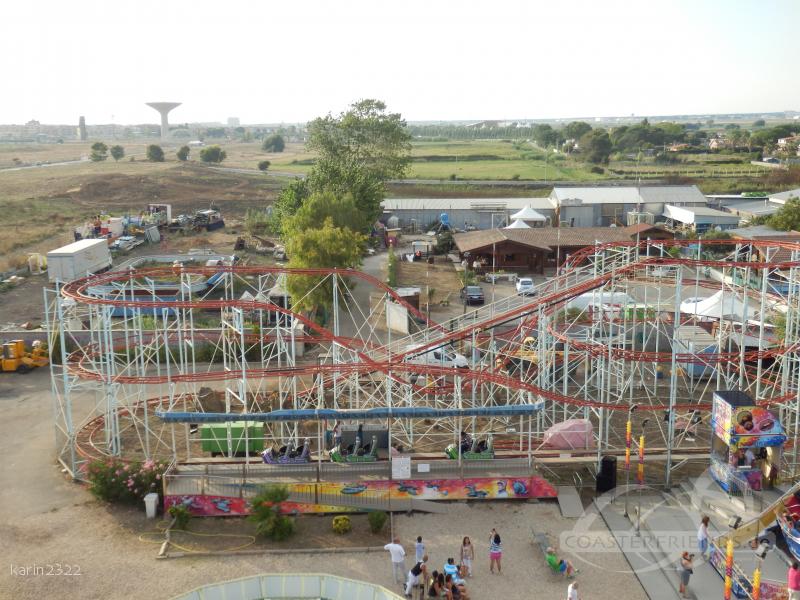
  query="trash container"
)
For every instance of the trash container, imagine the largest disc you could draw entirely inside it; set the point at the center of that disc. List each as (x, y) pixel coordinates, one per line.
(607, 477)
(151, 504)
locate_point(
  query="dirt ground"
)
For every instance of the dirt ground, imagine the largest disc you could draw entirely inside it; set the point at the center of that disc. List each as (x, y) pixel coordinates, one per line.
(47, 520)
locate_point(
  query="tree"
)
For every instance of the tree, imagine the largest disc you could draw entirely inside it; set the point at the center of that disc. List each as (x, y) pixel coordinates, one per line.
(759, 123)
(358, 151)
(212, 154)
(117, 152)
(183, 153)
(326, 247)
(273, 143)
(321, 206)
(788, 216)
(155, 153)
(263, 165)
(545, 135)
(99, 152)
(596, 146)
(287, 203)
(576, 130)
(267, 515)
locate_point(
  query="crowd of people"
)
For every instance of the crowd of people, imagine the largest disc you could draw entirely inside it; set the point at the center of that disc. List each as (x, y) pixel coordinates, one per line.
(450, 581)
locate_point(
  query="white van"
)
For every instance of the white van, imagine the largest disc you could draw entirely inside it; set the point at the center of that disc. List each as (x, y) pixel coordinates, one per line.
(443, 356)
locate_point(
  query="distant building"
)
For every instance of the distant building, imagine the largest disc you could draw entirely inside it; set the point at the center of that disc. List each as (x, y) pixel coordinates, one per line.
(600, 206)
(82, 136)
(752, 209)
(233, 121)
(783, 197)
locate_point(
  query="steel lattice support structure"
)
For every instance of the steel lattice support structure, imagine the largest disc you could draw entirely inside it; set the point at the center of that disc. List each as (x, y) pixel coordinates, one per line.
(130, 347)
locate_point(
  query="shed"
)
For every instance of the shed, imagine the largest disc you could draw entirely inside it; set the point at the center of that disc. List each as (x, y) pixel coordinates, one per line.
(699, 218)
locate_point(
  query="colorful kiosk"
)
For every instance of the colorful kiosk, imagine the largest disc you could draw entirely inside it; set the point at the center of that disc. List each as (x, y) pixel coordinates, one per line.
(747, 443)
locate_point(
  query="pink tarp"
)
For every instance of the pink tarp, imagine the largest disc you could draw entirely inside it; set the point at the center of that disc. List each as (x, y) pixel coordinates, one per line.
(572, 434)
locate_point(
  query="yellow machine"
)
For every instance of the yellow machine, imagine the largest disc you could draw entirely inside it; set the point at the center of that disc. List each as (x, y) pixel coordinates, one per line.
(15, 358)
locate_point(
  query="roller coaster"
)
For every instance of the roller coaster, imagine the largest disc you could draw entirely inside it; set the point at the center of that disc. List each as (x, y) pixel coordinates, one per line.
(136, 372)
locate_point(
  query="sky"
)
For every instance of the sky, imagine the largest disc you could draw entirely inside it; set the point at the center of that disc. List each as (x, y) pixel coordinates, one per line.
(273, 62)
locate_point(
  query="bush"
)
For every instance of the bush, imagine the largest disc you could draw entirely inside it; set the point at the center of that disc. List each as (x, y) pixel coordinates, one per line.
(377, 520)
(263, 165)
(515, 177)
(181, 514)
(453, 176)
(267, 516)
(212, 154)
(342, 524)
(183, 153)
(155, 153)
(273, 143)
(598, 170)
(115, 480)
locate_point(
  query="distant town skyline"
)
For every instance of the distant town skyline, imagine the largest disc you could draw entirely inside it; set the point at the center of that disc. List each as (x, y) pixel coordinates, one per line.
(265, 63)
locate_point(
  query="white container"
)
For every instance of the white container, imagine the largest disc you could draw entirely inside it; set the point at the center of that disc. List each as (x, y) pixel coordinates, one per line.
(78, 259)
(151, 504)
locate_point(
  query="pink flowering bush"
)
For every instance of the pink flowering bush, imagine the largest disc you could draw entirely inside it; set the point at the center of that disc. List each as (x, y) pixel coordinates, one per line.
(114, 480)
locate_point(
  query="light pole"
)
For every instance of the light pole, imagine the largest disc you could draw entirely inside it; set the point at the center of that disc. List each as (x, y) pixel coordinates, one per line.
(628, 440)
(640, 477)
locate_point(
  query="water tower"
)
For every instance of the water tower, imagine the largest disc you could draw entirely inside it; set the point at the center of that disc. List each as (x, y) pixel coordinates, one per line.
(164, 108)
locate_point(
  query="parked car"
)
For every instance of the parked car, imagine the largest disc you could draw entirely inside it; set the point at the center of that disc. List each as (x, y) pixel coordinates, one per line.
(443, 356)
(472, 294)
(525, 286)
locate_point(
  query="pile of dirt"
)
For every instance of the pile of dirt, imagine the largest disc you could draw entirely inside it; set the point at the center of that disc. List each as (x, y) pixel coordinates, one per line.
(440, 278)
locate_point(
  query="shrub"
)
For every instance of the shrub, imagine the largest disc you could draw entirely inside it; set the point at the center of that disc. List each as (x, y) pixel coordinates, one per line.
(263, 165)
(181, 514)
(515, 177)
(453, 176)
(377, 520)
(183, 153)
(212, 154)
(115, 480)
(598, 170)
(274, 143)
(155, 153)
(342, 524)
(267, 516)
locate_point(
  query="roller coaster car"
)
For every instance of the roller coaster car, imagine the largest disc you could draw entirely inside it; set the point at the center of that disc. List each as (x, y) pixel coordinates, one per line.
(356, 453)
(287, 455)
(472, 449)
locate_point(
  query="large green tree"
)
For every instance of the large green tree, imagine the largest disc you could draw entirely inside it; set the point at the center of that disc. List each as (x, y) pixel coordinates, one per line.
(321, 206)
(323, 247)
(358, 151)
(213, 154)
(576, 130)
(155, 153)
(287, 203)
(596, 146)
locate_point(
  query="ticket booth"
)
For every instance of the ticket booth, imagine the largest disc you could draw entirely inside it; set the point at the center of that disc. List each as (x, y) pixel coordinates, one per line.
(747, 443)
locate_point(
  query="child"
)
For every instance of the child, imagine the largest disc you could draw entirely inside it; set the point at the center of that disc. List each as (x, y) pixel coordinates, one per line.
(419, 548)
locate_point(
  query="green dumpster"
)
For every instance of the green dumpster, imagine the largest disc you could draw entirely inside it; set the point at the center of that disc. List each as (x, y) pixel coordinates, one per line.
(214, 437)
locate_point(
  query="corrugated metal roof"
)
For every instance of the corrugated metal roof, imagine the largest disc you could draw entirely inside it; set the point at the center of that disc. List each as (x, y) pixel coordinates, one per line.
(784, 196)
(542, 238)
(689, 214)
(757, 207)
(666, 194)
(487, 204)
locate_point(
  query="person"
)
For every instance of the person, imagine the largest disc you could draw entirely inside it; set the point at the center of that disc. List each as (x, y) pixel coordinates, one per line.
(749, 457)
(398, 555)
(702, 536)
(685, 571)
(572, 591)
(419, 549)
(417, 575)
(793, 581)
(433, 590)
(451, 569)
(495, 551)
(467, 554)
(337, 434)
(558, 565)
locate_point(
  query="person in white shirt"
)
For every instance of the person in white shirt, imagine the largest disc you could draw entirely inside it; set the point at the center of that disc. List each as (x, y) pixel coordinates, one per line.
(398, 555)
(572, 591)
(702, 536)
(749, 458)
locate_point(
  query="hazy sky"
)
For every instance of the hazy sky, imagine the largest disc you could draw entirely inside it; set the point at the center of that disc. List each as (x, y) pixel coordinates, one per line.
(269, 61)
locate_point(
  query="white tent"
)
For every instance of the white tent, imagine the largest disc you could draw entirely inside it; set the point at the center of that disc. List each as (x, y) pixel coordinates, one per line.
(518, 224)
(528, 214)
(722, 305)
